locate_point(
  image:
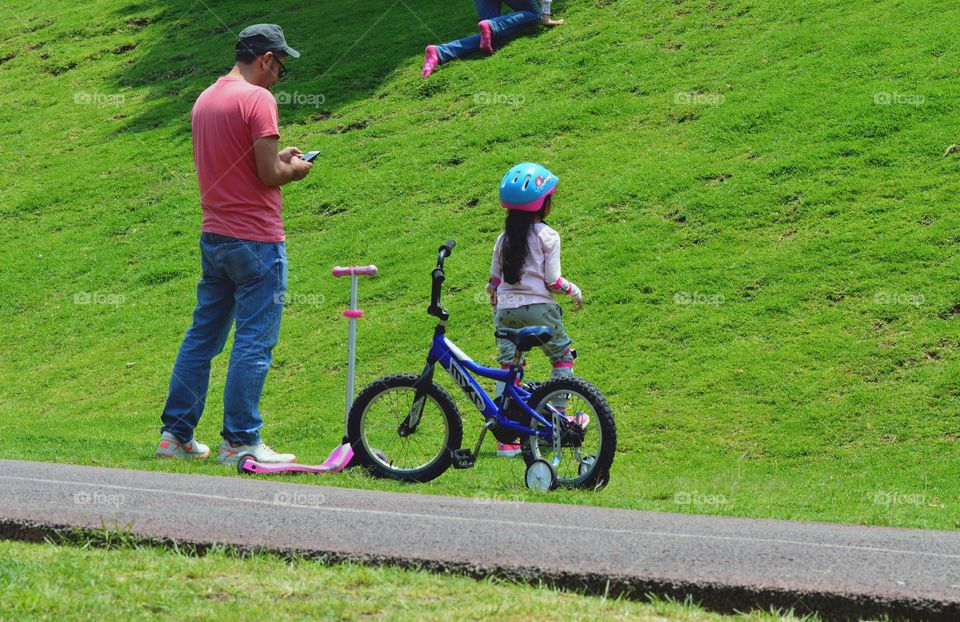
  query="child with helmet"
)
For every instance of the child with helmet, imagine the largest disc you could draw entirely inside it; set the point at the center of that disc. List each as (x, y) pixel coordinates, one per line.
(525, 273)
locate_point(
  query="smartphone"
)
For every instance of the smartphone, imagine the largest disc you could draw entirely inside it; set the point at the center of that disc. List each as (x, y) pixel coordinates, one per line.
(311, 156)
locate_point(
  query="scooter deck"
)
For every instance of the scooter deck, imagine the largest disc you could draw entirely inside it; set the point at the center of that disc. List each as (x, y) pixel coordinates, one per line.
(338, 460)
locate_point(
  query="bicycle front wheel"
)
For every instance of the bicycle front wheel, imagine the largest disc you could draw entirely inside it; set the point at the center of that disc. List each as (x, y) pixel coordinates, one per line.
(374, 423)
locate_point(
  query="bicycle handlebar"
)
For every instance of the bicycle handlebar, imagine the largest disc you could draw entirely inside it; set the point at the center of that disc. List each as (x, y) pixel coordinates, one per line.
(438, 278)
(445, 251)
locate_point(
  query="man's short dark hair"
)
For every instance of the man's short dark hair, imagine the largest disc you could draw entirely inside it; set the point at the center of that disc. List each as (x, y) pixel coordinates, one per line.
(245, 56)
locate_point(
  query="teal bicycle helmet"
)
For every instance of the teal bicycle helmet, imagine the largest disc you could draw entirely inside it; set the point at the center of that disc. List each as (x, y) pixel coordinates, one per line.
(526, 186)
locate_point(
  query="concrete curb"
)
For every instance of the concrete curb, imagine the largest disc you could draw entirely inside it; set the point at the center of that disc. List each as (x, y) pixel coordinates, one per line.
(723, 598)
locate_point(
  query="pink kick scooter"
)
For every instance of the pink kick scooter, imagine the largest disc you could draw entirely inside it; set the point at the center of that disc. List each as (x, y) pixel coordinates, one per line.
(340, 457)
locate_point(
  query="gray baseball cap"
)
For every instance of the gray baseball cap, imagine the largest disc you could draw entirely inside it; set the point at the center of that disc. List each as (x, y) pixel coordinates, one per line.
(263, 38)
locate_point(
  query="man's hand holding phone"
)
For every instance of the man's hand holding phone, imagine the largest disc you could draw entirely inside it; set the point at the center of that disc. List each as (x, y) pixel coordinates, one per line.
(299, 161)
(301, 167)
(275, 166)
(288, 154)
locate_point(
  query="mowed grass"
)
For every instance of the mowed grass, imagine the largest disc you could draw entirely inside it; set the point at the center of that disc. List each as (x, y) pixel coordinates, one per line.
(758, 200)
(49, 582)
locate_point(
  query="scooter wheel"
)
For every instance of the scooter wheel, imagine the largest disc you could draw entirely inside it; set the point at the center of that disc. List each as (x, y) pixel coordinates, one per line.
(540, 476)
(242, 462)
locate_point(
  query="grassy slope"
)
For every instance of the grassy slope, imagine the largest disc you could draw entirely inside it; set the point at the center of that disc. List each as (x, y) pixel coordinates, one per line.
(47, 582)
(796, 202)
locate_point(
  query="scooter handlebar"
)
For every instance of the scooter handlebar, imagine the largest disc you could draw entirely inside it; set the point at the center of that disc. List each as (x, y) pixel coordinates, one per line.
(358, 270)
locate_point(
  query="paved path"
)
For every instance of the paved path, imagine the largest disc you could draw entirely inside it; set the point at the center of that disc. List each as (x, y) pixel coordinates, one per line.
(841, 571)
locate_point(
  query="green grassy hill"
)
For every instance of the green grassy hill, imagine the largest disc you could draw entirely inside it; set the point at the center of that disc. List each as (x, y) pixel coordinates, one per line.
(759, 200)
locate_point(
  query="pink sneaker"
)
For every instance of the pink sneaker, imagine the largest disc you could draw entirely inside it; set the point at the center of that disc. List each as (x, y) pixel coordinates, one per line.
(430, 61)
(508, 450)
(581, 419)
(486, 36)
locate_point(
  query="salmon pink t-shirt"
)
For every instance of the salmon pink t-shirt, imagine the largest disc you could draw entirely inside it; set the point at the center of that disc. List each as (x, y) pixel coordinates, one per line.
(226, 119)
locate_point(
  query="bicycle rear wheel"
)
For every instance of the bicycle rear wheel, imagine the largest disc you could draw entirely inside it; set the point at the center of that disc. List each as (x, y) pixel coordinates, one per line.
(586, 451)
(376, 416)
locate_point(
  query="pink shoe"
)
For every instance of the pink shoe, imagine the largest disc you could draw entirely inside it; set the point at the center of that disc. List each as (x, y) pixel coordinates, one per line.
(581, 419)
(508, 450)
(430, 61)
(486, 36)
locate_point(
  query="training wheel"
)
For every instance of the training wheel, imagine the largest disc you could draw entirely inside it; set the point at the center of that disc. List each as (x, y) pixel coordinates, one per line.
(242, 461)
(586, 464)
(540, 476)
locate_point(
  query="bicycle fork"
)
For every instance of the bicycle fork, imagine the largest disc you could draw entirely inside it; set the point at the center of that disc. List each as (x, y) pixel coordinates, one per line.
(412, 420)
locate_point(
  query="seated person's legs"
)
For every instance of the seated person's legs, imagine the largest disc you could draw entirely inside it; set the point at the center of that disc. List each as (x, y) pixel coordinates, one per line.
(524, 18)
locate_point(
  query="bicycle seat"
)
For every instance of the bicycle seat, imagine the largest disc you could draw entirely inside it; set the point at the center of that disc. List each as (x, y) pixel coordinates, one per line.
(525, 338)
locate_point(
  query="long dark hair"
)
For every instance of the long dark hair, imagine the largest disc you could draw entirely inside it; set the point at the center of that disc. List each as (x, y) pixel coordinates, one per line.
(516, 229)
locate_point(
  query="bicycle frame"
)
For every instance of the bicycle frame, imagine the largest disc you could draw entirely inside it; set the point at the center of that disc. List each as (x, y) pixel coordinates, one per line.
(460, 366)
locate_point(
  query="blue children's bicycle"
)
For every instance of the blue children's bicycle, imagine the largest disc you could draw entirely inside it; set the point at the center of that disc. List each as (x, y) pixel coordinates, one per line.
(565, 426)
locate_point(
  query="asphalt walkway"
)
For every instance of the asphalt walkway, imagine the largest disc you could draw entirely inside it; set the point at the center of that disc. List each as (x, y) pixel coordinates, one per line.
(839, 571)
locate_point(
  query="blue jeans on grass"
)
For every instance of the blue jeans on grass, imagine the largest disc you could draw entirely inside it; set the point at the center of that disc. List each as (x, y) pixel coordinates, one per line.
(244, 281)
(525, 17)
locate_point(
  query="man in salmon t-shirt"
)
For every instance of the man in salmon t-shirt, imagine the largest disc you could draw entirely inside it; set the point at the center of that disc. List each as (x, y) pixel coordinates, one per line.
(243, 257)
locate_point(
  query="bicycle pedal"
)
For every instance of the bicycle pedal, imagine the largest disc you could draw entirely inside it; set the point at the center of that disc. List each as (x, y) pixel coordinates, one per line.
(463, 458)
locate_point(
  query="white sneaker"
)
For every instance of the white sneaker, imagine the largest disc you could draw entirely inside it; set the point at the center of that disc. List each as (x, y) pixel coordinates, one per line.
(170, 447)
(230, 453)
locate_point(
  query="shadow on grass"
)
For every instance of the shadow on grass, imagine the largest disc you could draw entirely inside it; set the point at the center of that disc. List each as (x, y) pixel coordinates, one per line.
(349, 49)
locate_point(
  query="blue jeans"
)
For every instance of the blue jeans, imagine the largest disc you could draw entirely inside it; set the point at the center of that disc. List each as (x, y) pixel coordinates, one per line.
(244, 281)
(525, 17)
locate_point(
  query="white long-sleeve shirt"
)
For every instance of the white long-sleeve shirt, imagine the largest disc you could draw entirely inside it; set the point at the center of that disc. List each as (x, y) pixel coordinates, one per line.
(545, 6)
(540, 270)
